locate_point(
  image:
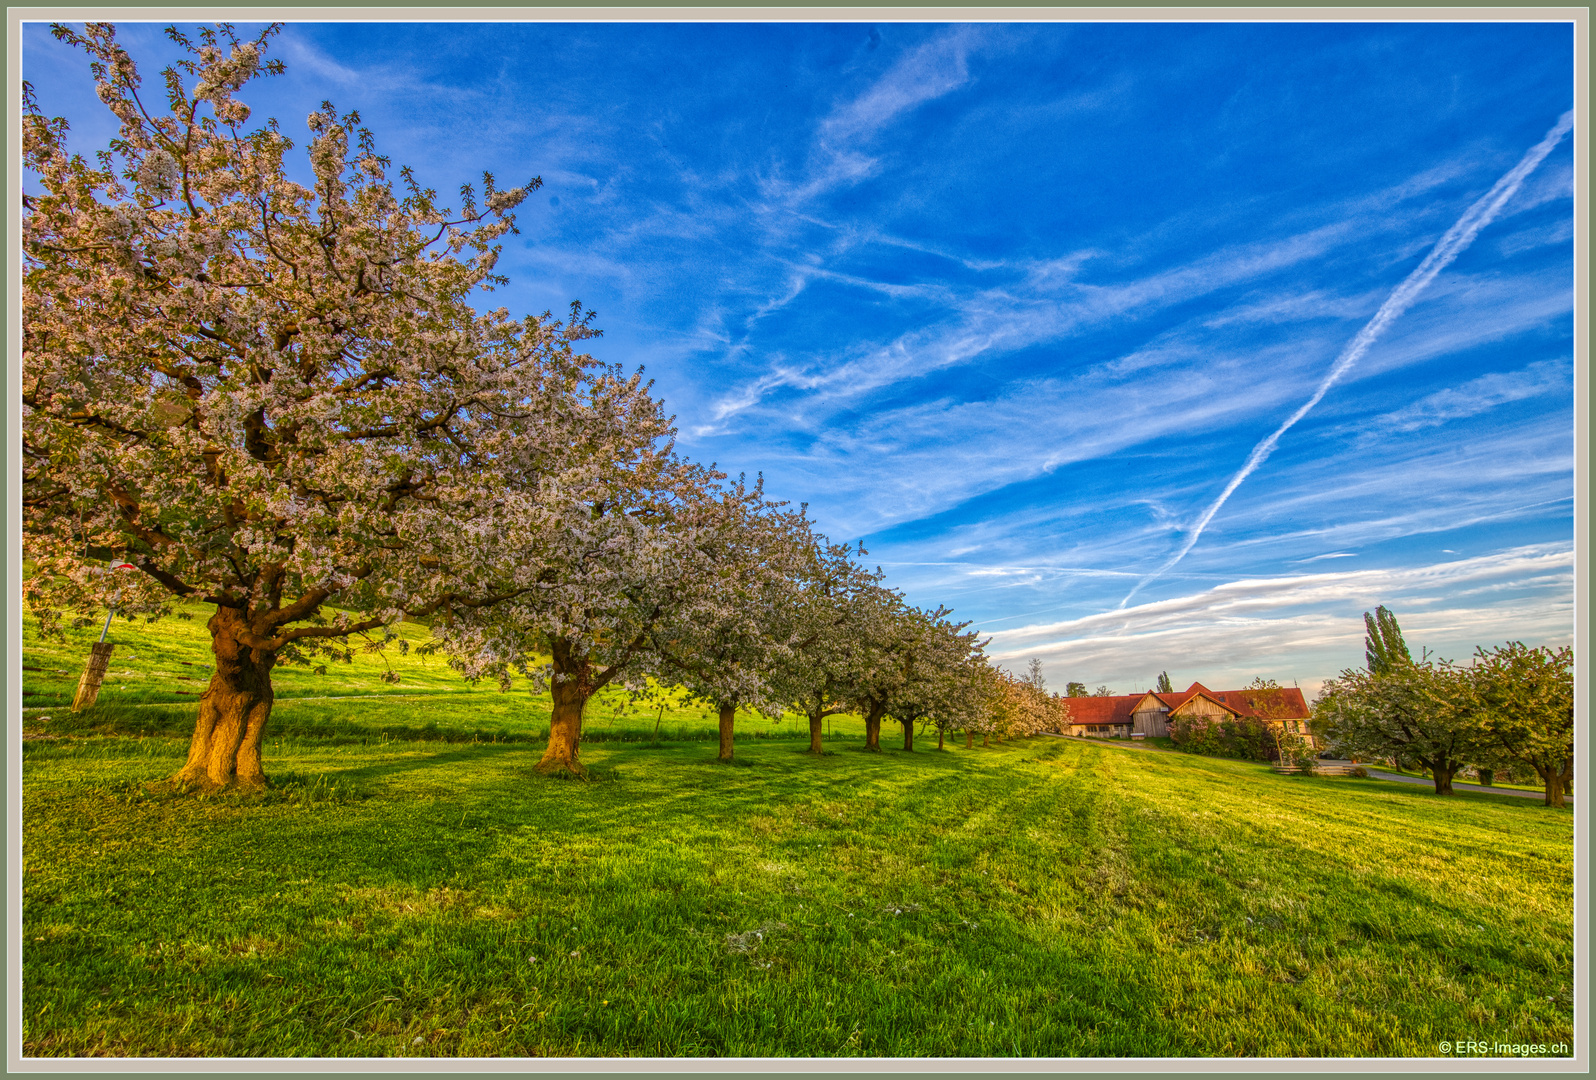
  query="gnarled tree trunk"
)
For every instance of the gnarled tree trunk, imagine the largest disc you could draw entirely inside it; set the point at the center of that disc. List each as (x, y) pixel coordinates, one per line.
(728, 714)
(225, 750)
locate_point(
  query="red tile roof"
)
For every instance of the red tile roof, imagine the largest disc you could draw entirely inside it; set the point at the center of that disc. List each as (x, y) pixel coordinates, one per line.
(1102, 710)
(1284, 704)
(1180, 697)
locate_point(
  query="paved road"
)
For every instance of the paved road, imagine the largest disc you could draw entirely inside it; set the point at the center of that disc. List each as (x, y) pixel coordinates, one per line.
(1461, 785)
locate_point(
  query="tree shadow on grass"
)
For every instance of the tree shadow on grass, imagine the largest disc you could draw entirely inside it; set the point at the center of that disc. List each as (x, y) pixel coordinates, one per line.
(473, 752)
(499, 781)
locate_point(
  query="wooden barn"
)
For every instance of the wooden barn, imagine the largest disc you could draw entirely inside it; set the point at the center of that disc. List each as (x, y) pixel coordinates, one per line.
(1141, 715)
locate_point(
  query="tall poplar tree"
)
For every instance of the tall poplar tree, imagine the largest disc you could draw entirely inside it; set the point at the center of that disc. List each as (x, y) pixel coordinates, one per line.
(1384, 648)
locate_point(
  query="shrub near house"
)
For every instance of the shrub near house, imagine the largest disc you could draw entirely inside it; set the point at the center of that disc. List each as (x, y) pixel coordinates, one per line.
(1243, 737)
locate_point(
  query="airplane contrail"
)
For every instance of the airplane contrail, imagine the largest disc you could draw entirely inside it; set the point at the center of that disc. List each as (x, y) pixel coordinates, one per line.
(1449, 247)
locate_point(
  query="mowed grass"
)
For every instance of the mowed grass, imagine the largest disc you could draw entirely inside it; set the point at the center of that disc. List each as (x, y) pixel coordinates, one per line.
(405, 894)
(1049, 898)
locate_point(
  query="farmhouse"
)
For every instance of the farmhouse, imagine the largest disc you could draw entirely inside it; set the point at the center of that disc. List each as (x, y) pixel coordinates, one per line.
(1141, 715)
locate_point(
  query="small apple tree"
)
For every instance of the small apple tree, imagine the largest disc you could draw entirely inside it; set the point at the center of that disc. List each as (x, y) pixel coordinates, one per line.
(1527, 694)
(723, 646)
(594, 559)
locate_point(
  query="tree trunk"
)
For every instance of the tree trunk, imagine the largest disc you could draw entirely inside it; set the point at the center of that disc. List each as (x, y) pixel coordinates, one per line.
(816, 719)
(225, 749)
(873, 727)
(1487, 777)
(908, 734)
(1442, 774)
(983, 739)
(728, 713)
(1554, 784)
(570, 689)
(565, 733)
(939, 737)
(1568, 777)
(969, 739)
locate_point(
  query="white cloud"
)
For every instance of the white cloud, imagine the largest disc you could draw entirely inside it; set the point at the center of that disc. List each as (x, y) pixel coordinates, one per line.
(1051, 300)
(1558, 232)
(1480, 395)
(1306, 627)
(839, 156)
(925, 73)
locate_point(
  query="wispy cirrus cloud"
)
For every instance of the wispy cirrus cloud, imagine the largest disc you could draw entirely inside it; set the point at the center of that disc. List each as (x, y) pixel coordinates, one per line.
(1479, 395)
(1312, 618)
(927, 455)
(1037, 302)
(841, 153)
(1453, 243)
(1257, 597)
(925, 73)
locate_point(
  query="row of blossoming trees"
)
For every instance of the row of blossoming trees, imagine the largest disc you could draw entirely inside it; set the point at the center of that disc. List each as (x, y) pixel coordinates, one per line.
(275, 397)
(1511, 708)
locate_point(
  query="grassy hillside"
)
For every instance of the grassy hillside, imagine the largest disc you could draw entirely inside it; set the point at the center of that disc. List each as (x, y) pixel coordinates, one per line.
(159, 670)
(423, 897)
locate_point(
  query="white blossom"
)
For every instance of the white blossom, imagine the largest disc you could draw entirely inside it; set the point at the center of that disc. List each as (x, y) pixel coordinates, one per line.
(159, 173)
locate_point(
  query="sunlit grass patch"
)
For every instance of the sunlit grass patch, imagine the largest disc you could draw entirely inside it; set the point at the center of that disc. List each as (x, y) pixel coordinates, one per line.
(160, 669)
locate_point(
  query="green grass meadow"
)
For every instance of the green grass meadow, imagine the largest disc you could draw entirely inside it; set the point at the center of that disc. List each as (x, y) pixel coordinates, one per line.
(410, 888)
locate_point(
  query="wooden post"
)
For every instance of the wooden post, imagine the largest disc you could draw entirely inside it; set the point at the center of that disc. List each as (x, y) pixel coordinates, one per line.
(93, 675)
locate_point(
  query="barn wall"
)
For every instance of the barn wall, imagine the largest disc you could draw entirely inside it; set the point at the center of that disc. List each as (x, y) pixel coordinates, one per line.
(1151, 722)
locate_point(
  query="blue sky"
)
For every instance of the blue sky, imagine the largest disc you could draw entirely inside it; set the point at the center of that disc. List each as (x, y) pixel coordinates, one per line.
(1012, 304)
